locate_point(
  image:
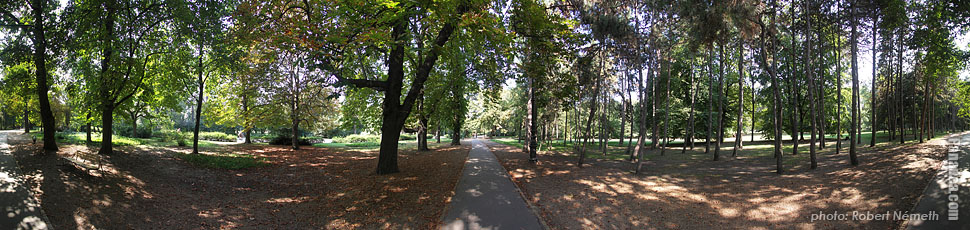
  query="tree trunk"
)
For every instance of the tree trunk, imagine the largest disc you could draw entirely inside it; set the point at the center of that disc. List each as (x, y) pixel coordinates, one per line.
(134, 125)
(710, 100)
(811, 83)
(531, 120)
(106, 129)
(437, 133)
(40, 62)
(198, 103)
(423, 134)
(589, 123)
(872, 98)
(838, 90)
(690, 115)
(853, 126)
(720, 103)
(738, 144)
(87, 128)
(641, 141)
(107, 106)
(456, 130)
(295, 131)
(248, 130)
(666, 109)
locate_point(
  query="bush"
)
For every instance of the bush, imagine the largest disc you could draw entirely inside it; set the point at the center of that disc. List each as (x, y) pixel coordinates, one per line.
(285, 140)
(172, 135)
(357, 138)
(217, 136)
(408, 137)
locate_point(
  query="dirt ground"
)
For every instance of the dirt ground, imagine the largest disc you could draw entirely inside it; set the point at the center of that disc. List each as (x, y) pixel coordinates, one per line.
(689, 191)
(312, 188)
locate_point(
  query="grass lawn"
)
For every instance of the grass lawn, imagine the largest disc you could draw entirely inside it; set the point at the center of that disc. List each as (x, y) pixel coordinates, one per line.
(78, 138)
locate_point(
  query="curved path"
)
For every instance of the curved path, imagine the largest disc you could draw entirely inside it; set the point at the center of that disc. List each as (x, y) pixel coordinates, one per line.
(20, 210)
(486, 198)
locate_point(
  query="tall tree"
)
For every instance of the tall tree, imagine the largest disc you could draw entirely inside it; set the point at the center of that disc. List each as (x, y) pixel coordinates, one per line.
(38, 29)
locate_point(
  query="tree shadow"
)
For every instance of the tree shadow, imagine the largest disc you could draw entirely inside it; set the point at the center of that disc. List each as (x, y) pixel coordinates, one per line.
(689, 191)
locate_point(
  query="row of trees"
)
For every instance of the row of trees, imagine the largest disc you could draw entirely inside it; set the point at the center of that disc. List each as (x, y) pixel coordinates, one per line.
(389, 66)
(699, 69)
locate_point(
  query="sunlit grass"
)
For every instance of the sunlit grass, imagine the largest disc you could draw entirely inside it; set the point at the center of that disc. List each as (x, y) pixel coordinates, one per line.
(78, 138)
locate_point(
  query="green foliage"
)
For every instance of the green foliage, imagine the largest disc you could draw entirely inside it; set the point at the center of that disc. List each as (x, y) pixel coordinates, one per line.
(217, 136)
(358, 138)
(223, 161)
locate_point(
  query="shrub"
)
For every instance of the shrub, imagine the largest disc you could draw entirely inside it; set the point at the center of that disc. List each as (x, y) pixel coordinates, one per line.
(172, 135)
(357, 138)
(217, 136)
(408, 137)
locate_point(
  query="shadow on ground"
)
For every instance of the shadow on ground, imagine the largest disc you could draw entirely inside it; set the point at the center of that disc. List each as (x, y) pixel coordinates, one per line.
(689, 191)
(311, 188)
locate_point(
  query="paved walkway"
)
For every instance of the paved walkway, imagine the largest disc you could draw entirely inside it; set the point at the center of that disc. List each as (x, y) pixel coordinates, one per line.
(485, 197)
(20, 210)
(936, 197)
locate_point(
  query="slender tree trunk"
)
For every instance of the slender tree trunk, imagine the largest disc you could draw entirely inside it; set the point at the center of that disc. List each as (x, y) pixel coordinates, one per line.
(872, 98)
(811, 82)
(710, 100)
(587, 135)
(87, 128)
(422, 124)
(531, 119)
(738, 144)
(853, 126)
(690, 115)
(776, 89)
(198, 103)
(666, 111)
(720, 103)
(248, 130)
(295, 130)
(643, 119)
(838, 85)
(655, 137)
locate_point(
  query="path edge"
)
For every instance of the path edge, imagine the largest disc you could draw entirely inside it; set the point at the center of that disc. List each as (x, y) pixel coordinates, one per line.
(528, 202)
(940, 172)
(461, 173)
(30, 193)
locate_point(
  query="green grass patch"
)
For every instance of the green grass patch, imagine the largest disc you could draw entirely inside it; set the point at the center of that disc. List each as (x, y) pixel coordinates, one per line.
(223, 161)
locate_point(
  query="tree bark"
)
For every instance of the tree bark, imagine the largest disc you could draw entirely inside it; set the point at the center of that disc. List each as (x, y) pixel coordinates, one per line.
(198, 101)
(738, 144)
(107, 106)
(531, 120)
(872, 98)
(853, 126)
(811, 83)
(838, 92)
(690, 115)
(720, 102)
(40, 62)
(710, 100)
(666, 109)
